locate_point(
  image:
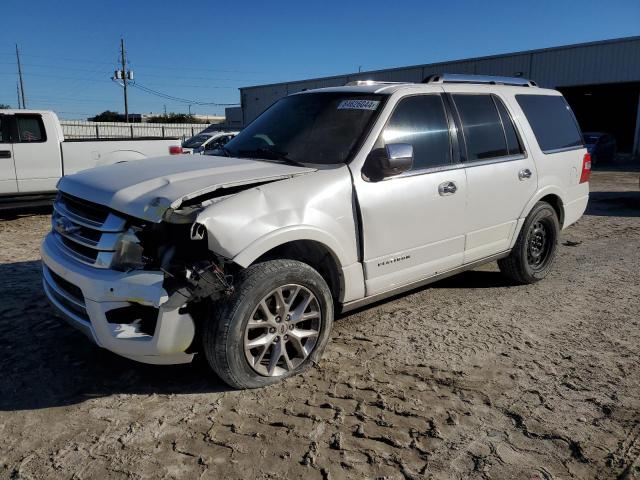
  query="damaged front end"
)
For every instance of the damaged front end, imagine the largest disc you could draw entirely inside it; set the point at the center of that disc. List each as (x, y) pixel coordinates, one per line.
(133, 269)
(135, 287)
(178, 248)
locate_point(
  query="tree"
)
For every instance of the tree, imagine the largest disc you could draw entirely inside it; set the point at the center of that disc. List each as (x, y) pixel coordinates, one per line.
(108, 116)
(174, 118)
(4, 106)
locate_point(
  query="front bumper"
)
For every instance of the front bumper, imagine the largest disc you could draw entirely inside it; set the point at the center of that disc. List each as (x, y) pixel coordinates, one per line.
(84, 296)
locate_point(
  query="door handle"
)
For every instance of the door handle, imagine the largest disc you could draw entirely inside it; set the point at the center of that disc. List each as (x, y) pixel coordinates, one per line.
(447, 188)
(5, 153)
(524, 174)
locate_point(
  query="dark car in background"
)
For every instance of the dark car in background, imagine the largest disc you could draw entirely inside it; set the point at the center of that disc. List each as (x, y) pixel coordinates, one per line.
(601, 146)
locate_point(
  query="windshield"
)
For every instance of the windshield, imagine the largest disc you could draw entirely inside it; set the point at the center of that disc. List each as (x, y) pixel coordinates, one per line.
(196, 141)
(321, 128)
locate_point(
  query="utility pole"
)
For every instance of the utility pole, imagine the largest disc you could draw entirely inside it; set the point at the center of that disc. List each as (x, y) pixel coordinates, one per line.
(18, 93)
(125, 75)
(24, 104)
(124, 80)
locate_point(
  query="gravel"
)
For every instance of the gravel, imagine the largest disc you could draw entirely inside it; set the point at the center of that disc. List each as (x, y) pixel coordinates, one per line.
(468, 378)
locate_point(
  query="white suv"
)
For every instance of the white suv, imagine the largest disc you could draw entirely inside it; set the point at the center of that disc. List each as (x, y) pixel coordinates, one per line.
(331, 199)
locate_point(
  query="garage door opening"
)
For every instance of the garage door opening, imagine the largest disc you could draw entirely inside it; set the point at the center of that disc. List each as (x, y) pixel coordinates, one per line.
(610, 108)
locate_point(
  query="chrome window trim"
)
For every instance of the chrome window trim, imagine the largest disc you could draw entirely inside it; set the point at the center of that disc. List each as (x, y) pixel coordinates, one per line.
(502, 159)
(564, 149)
(446, 168)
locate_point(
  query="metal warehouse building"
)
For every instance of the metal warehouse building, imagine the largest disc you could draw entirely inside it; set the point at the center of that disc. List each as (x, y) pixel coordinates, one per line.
(601, 81)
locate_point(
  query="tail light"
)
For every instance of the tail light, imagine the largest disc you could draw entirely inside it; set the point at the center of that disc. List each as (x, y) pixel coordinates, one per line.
(175, 150)
(586, 168)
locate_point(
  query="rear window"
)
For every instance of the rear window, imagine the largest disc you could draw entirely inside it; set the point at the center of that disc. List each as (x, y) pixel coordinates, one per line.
(552, 122)
(30, 129)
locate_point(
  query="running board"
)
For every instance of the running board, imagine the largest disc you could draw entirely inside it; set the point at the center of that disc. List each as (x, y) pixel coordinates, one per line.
(347, 307)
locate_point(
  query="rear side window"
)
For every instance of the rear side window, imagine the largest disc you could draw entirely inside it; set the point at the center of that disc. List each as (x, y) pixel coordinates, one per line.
(4, 135)
(421, 121)
(552, 122)
(513, 143)
(482, 127)
(30, 129)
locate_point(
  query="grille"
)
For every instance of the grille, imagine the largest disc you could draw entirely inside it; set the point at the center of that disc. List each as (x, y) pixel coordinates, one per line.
(85, 231)
(67, 296)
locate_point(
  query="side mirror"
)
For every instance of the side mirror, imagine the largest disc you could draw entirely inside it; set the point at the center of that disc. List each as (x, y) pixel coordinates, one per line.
(393, 159)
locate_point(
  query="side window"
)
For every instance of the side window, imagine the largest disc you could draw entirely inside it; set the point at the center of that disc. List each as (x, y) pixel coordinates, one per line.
(481, 126)
(513, 143)
(422, 122)
(4, 137)
(552, 121)
(30, 129)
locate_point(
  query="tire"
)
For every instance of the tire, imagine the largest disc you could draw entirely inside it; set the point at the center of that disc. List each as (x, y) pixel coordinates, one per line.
(532, 257)
(261, 295)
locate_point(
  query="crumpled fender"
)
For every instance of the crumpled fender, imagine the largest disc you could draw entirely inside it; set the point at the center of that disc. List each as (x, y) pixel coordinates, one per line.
(317, 207)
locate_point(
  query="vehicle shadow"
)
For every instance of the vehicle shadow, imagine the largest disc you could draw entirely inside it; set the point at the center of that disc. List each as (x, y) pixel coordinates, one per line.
(614, 204)
(46, 363)
(464, 280)
(14, 213)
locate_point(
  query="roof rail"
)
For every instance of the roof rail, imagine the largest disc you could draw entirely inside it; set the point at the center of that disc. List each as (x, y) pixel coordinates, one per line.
(358, 83)
(486, 79)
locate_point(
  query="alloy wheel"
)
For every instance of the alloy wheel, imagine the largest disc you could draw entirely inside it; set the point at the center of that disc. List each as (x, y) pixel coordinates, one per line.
(283, 330)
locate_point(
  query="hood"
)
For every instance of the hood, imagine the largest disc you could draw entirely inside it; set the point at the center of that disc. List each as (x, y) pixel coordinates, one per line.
(147, 188)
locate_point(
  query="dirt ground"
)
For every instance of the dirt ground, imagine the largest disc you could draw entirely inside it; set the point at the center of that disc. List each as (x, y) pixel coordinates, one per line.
(468, 378)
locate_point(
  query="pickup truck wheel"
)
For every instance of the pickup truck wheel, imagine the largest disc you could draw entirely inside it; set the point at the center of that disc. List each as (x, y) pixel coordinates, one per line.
(535, 249)
(275, 325)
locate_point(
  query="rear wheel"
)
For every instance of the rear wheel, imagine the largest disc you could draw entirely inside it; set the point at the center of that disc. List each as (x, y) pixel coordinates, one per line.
(275, 325)
(535, 249)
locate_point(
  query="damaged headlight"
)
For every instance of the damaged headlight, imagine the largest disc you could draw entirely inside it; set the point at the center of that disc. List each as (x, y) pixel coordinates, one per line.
(129, 252)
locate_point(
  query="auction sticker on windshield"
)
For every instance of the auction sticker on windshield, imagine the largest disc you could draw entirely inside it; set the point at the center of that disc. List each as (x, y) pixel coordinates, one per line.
(358, 105)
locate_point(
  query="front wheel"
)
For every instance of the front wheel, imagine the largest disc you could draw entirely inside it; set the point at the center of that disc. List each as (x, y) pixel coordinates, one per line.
(535, 249)
(275, 325)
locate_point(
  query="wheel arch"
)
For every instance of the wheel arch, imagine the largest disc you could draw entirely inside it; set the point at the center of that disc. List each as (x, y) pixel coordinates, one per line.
(551, 195)
(313, 247)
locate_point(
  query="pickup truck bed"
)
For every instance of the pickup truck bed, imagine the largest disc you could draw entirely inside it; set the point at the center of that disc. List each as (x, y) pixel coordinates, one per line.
(34, 155)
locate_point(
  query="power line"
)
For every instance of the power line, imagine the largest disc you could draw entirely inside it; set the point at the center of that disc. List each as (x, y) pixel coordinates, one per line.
(154, 65)
(178, 99)
(97, 80)
(146, 74)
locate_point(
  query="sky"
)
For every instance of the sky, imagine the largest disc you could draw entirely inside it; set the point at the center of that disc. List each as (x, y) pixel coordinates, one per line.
(202, 52)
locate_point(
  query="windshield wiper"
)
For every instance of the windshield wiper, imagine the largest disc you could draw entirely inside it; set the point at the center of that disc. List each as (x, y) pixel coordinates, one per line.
(270, 154)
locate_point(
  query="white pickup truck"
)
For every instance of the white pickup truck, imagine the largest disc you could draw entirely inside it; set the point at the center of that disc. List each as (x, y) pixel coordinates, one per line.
(34, 155)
